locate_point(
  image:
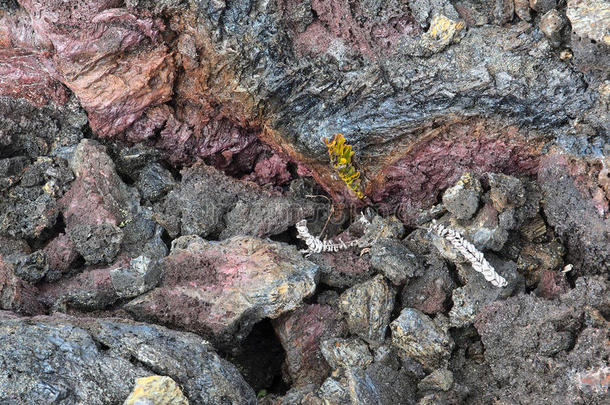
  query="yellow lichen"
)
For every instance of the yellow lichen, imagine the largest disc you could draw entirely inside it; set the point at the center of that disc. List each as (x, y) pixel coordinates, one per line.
(341, 155)
(156, 390)
(442, 32)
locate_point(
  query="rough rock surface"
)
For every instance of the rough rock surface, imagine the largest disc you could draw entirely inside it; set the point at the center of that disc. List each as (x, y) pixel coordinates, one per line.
(552, 346)
(98, 361)
(469, 299)
(127, 127)
(577, 211)
(297, 74)
(394, 260)
(462, 200)
(421, 338)
(301, 333)
(209, 203)
(220, 290)
(16, 294)
(368, 307)
(346, 353)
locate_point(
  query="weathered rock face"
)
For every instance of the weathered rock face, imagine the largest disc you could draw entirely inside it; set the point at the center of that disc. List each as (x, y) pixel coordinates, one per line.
(290, 74)
(524, 332)
(368, 307)
(421, 338)
(98, 362)
(577, 207)
(16, 294)
(301, 333)
(208, 118)
(207, 202)
(220, 290)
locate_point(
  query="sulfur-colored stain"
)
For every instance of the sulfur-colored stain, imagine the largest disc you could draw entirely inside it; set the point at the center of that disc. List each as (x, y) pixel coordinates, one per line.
(441, 33)
(156, 390)
(341, 155)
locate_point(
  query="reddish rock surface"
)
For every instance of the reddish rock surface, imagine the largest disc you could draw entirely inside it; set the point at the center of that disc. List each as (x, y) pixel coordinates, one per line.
(15, 294)
(414, 179)
(124, 66)
(343, 269)
(364, 28)
(300, 333)
(113, 61)
(220, 290)
(22, 75)
(61, 253)
(98, 195)
(89, 290)
(552, 284)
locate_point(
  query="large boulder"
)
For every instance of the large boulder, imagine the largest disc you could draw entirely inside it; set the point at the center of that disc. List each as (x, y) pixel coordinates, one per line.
(221, 289)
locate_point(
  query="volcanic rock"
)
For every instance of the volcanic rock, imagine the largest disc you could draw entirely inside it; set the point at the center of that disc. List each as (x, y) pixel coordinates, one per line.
(367, 308)
(221, 289)
(98, 361)
(421, 338)
(301, 333)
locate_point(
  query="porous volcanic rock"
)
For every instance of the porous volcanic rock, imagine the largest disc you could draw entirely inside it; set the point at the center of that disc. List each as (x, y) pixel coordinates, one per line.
(552, 346)
(578, 210)
(207, 202)
(301, 333)
(98, 361)
(221, 289)
(16, 294)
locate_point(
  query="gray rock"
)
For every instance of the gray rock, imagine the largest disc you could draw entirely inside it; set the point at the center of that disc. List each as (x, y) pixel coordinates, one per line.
(590, 41)
(31, 268)
(335, 391)
(522, 9)
(97, 243)
(381, 383)
(9, 246)
(367, 308)
(438, 380)
(346, 353)
(142, 275)
(575, 219)
(207, 202)
(506, 191)
(362, 390)
(131, 161)
(548, 345)
(95, 361)
(462, 200)
(589, 19)
(477, 292)
(154, 181)
(542, 6)
(419, 337)
(430, 291)
(551, 24)
(380, 228)
(504, 11)
(16, 294)
(394, 260)
(142, 236)
(37, 131)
